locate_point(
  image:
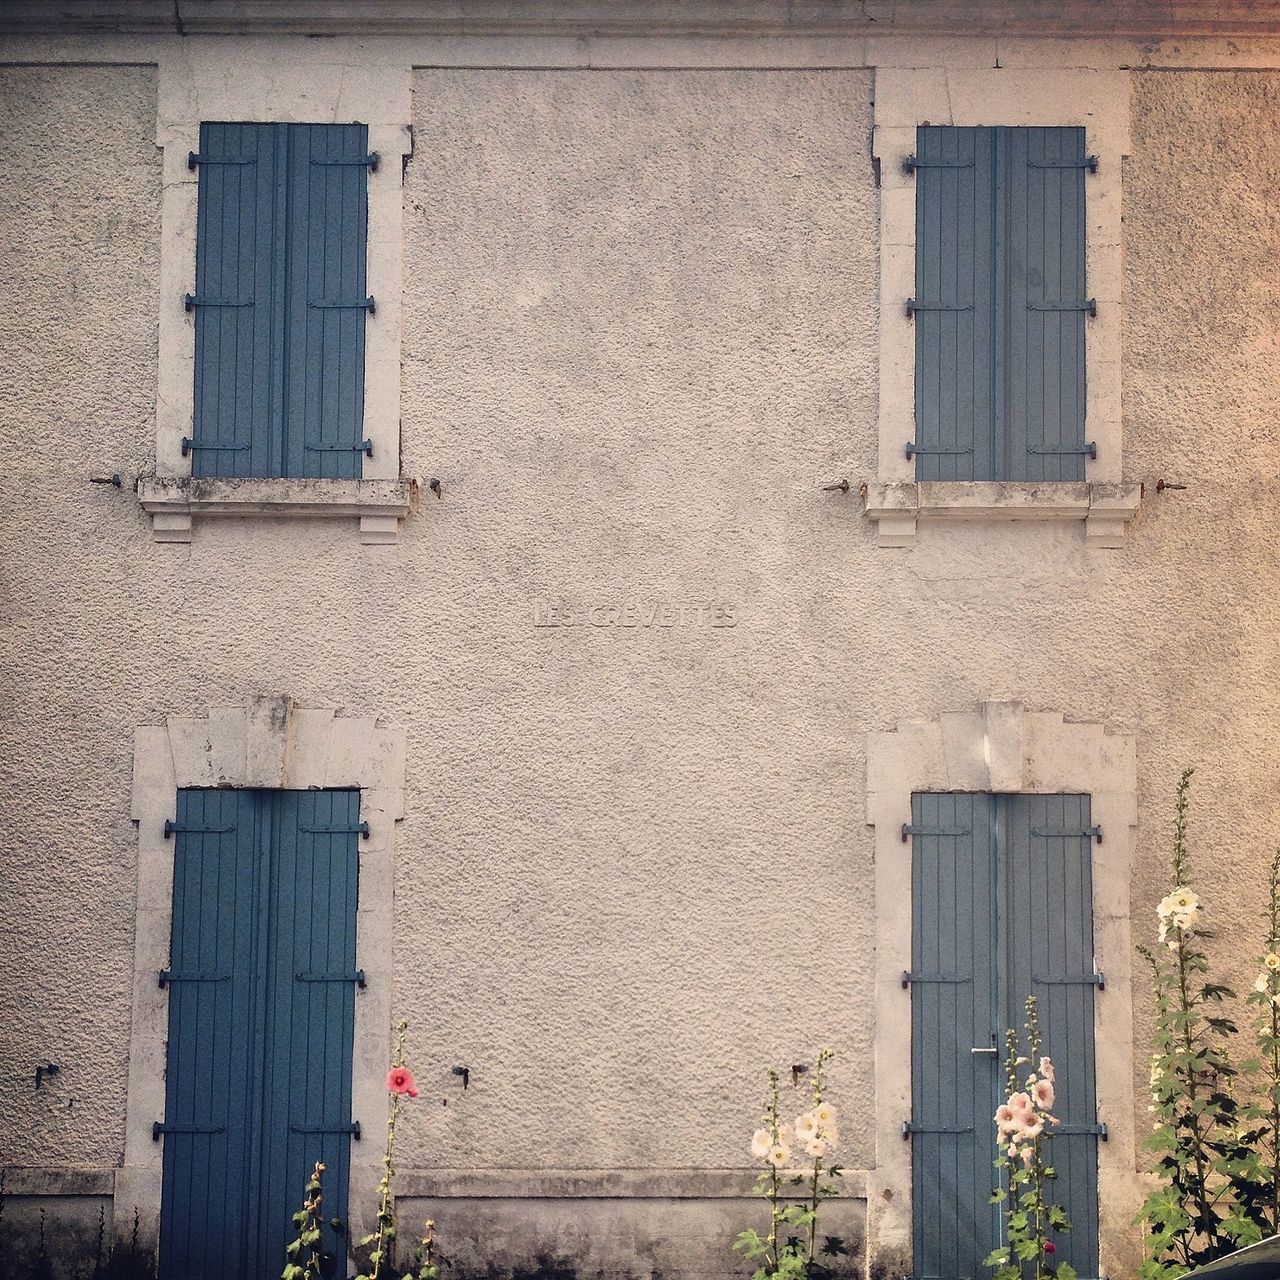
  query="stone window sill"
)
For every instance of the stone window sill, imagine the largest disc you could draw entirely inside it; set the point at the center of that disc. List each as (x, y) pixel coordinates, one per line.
(897, 508)
(174, 501)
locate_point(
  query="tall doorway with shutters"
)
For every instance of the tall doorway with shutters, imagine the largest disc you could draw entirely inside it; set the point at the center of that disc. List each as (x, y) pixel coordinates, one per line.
(1002, 908)
(262, 985)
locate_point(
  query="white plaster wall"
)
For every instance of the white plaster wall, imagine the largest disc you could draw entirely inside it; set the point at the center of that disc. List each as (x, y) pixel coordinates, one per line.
(640, 322)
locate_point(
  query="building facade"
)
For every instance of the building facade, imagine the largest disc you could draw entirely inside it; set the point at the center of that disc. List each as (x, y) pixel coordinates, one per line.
(642, 540)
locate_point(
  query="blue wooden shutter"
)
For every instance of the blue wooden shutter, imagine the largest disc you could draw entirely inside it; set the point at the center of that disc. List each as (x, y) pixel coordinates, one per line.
(1048, 904)
(215, 1005)
(1042, 179)
(310, 1014)
(999, 306)
(954, 301)
(239, 300)
(327, 299)
(953, 992)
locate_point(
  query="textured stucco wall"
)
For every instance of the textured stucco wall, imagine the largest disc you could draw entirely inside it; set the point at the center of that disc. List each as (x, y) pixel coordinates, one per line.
(79, 232)
(639, 336)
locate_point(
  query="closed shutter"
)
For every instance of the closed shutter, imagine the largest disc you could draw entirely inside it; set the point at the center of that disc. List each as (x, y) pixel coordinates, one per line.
(1001, 908)
(953, 989)
(327, 300)
(1049, 951)
(954, 303)
(1000, 304)
(280, 303)
(310, 1009)
(238, 300)
(261, 1015)
(1041, 175)
(215, 999)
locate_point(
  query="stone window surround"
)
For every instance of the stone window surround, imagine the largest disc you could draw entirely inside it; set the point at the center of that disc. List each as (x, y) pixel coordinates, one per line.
(1002, 747)
(906, 97)
(270, 743)
(197, 83)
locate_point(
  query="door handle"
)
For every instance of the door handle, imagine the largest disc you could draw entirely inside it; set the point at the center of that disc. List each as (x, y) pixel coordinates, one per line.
(991, 1049)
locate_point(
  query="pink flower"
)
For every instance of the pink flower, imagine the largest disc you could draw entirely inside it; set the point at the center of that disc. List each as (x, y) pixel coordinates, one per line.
(1006, 1118)
(400, 1080)
(1042, 1092)
(1046, 1069)
(1030, 1129)
(1021, 1102)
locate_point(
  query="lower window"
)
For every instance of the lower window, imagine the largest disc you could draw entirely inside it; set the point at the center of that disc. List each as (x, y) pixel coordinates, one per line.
(261, 1014)
(1002, 908)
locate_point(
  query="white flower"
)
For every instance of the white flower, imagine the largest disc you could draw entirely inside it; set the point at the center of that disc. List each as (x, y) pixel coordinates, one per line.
(1272, 961)
(1260, 983)
(1042, 1092)
(825, 1114)
(806, 1127)
(778, 1155)
(815, 1147)
(761, 1142)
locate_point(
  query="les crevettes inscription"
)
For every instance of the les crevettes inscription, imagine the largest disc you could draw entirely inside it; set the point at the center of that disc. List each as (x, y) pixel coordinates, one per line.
(637, 615)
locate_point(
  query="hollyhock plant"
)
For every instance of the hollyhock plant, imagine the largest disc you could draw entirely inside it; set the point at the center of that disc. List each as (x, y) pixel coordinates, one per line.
(400, 1085)
(1024, 1124)
(791, 1248)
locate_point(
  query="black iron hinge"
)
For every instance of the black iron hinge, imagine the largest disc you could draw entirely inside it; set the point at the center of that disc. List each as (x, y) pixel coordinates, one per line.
(1076, 833)
(353, 1128)
(908, 1128)
(194, 158)
(1089, 162)
(914, 449)
(364, 446)
(911, 164)
(361, 828)
(193, 300)
(908, 830)
(914, 305)
(911, 979)
(362, 304)
(1089, 980)
(356, 976)
(166, 976)
(369, 162)
(159, 1127)
(184, 829)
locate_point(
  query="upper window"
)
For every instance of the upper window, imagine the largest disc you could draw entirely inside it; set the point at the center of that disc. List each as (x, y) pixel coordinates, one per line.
(1000, 304)
(280, 302)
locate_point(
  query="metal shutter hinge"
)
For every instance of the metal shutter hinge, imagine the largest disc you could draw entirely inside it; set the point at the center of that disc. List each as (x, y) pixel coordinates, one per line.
(353, 1128)
(911, 164)
(908, 830)
(360, 829)
(357, 976)
(192, 300)
(1089, 162)
(908, 1128)
(167, 976)
(909, 979)
(361, 304)
(158, 1128)
(365, 447)
(189, 445)
(183, 829)
(1089, 305)
(913, 306)
(1077, 833)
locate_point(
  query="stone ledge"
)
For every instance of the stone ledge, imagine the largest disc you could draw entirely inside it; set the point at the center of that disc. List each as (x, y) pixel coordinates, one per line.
(172, 501)
(896, 508)
(593, 1184)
